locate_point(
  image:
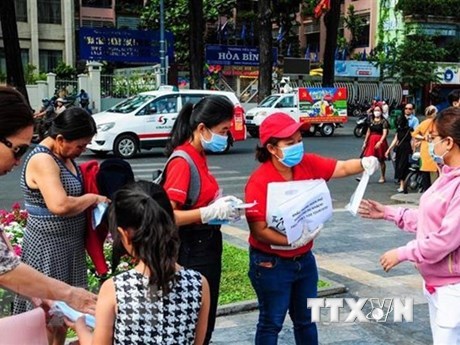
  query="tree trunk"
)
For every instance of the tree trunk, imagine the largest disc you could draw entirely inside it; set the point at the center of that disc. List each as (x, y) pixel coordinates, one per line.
(14, 68)
(265, 49)
(196, 44)
(331, 20)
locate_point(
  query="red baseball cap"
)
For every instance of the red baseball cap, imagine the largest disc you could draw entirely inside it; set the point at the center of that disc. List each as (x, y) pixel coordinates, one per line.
(278, 125)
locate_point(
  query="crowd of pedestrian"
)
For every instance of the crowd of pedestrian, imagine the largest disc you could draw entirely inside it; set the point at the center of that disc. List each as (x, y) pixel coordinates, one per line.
(172, 230)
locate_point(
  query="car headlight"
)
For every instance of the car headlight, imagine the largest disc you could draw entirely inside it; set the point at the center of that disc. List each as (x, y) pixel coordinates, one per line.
(261, 113)
(105, 126)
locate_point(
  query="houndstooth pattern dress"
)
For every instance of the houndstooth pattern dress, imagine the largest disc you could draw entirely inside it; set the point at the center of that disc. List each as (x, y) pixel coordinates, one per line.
(147, 318)
(54, 245)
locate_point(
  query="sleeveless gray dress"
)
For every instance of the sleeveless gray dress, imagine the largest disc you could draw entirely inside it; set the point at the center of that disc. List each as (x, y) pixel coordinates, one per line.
(54, 245)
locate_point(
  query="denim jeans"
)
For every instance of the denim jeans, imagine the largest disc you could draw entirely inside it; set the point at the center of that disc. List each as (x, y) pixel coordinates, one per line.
(282, 285)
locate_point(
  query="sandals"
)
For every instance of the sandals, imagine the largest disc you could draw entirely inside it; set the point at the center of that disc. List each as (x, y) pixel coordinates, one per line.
(382, 180)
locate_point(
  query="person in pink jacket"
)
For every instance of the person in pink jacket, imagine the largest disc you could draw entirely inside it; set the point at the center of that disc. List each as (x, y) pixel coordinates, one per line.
(436, 223)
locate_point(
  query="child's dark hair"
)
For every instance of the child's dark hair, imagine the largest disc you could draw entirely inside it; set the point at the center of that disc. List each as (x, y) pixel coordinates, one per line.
(262, 154)
(210, 110)
(154, 235)
(73, 124)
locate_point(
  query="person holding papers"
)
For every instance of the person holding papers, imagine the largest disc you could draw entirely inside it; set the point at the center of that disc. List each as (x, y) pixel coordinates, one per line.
(283, 271)
(436, 247)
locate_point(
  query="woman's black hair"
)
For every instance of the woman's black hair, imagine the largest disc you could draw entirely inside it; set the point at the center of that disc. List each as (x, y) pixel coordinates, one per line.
(154, 235)
(402, 122)
(15, 113)
(210, 110)
(73, 124)
(447, 123)
(262, 154)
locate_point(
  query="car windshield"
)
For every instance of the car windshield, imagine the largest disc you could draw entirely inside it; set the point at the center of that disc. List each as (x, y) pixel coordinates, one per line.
(131, 104)
(268, 102)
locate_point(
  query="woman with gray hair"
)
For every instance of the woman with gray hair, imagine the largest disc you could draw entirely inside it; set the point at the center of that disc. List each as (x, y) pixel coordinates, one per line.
(420, 135)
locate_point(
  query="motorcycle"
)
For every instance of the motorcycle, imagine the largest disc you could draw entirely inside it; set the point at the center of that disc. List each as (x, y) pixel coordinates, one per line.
(362, 124)
(414, 180)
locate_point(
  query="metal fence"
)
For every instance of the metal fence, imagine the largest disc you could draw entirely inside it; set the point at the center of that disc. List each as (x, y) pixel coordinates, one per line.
(123, 86)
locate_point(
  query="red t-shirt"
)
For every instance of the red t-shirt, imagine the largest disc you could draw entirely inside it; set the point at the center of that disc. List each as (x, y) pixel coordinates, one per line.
(311, 167)
(178, 178)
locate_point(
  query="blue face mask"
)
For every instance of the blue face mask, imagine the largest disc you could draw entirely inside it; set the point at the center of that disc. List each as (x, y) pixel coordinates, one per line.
(292, 155)
(437, 159)
(217, 143)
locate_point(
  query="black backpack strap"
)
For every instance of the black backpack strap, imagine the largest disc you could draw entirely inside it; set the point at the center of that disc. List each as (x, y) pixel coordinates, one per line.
(195, 182)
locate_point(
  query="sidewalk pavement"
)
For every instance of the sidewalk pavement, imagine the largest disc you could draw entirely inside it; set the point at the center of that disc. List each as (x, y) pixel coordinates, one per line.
(347, 252)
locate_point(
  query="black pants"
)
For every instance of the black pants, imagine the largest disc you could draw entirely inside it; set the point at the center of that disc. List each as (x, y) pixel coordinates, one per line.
(426, 180)
(201, 250)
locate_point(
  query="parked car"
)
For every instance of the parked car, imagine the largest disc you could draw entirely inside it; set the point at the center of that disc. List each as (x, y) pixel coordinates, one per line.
(146, 120)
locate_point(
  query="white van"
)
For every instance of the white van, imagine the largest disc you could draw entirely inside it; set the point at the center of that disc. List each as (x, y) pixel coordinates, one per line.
(145, 121)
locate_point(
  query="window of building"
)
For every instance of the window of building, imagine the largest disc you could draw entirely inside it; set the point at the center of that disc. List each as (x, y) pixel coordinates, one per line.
(363, 39)
(312, 36)
(49, 59)
(97, 3)
(21, 10)
(49, 11)
(24, 58)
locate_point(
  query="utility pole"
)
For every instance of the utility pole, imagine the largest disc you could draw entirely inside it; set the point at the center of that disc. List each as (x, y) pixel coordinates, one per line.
(163, 69)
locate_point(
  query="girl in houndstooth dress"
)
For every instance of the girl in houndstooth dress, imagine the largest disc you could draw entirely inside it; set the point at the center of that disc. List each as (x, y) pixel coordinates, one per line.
(157, 302)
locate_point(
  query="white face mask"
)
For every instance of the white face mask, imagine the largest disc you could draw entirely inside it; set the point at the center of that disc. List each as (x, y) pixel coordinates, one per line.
(377, 113)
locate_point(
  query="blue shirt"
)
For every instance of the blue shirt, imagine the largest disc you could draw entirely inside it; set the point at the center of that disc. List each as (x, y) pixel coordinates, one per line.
(413, 121)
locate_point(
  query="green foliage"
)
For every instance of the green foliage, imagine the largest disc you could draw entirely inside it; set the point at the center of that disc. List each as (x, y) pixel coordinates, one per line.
(453, 51)
(416, 60)
(30, 76)
(235, 285)
(2, 77)
(127, 86)
(354, 23)
(424, 8)
(64, 71)
(177, 22)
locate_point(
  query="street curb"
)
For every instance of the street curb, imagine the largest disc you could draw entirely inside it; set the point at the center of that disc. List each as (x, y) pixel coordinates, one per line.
(240, 307)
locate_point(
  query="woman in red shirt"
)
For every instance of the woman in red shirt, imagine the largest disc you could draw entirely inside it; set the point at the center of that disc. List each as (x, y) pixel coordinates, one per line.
(285, 279)
(200, 127)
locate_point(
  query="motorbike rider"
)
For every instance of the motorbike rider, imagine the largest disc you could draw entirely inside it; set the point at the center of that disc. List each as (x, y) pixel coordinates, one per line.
(43, 118)
(84, 100)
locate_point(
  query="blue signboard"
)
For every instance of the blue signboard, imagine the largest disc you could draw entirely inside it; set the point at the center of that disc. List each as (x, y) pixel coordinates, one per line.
(355, 68)
(123, 45)
(234, 55)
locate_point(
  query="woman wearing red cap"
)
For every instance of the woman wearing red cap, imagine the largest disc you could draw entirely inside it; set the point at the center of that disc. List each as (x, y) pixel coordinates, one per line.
(284, 279)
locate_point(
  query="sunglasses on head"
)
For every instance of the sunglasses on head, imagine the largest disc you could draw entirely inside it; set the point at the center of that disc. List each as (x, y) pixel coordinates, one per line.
(18, 151)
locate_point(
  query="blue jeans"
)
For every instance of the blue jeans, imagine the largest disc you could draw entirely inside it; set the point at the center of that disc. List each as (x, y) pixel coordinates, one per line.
(282, 285)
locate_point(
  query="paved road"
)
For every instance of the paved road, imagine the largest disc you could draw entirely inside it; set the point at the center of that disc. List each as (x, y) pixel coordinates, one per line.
(233, 169)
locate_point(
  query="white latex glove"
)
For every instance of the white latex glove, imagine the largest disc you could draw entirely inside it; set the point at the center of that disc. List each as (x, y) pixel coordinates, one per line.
(370, 164)
(306, 237)
(221, 209)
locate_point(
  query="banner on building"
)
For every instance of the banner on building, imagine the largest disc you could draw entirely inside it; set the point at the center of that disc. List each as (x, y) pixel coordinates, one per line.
(355, 68)
(234, 55)
(124, 45)
(317, 104)
(449, 73)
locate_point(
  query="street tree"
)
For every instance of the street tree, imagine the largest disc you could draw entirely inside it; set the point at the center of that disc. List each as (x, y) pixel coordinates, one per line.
(186, 20)
(265, 48)
(14, 68)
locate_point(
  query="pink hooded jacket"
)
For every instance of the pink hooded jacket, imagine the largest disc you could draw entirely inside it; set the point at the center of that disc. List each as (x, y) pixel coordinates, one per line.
(436, 249)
